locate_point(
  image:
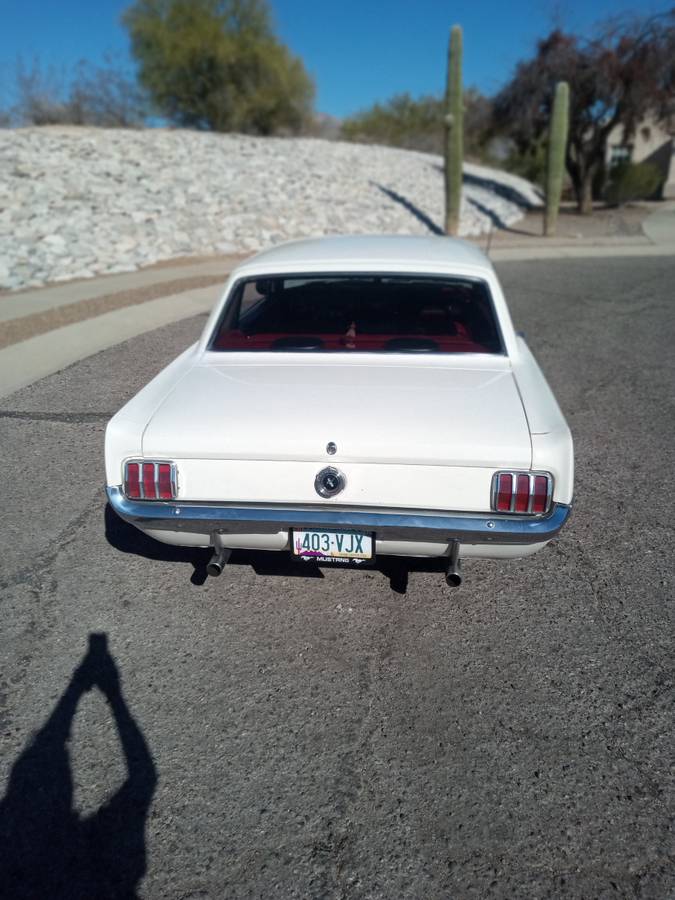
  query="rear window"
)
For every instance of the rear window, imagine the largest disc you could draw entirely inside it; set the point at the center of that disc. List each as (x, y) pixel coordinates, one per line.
(356, 313)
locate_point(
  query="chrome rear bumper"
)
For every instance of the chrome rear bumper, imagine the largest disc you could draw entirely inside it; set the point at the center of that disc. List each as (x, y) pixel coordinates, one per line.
(468, 528)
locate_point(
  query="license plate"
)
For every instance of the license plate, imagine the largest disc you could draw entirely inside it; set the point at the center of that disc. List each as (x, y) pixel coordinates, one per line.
(335, 545)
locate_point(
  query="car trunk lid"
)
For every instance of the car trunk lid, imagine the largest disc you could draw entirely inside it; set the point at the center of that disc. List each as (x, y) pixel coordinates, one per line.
(463, 413)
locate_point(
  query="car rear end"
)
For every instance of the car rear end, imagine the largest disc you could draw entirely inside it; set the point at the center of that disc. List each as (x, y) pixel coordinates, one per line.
(343, 412)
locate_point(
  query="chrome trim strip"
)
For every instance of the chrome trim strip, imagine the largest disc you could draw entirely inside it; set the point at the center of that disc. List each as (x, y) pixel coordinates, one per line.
(494, 486)
(468, 528)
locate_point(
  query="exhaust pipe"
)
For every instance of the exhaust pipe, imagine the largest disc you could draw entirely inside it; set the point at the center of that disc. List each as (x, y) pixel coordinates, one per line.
(218, 561)
(453, 573)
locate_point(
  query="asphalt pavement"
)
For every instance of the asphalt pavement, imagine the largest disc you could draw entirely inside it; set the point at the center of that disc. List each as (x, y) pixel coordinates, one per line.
(319, 733)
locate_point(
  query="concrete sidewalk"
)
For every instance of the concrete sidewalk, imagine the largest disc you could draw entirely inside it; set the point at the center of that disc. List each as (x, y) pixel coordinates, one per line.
(24, 303)
(660, 226)
(571, 251)
(42, 354)
(27, 361)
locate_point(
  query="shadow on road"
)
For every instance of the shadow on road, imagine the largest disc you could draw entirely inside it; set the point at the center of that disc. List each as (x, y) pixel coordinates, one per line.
(46, 849)
(128, 539)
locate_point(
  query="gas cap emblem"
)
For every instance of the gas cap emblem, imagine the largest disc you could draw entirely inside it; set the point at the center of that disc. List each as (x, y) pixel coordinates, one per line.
(329, 482)
(331, 448)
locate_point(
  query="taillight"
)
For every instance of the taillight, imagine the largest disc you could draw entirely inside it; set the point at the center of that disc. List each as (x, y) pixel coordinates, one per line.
(149, 480)
(521, 492)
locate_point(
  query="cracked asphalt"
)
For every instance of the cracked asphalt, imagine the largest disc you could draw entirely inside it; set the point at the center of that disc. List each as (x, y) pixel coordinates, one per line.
(285, 732)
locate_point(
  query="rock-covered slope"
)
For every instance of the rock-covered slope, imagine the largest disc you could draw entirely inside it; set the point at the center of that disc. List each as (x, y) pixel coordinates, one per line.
(76, 202)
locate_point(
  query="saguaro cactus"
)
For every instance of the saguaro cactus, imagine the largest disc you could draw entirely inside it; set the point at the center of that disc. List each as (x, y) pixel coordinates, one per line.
(454, 122)
(555, 157)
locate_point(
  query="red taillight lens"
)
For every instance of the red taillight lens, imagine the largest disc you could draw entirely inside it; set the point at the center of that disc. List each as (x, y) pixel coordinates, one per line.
(504, 491)
(521, 492)
(164, 486)
(540, 498)
(149, 490)
(132, 485)
(148, 480)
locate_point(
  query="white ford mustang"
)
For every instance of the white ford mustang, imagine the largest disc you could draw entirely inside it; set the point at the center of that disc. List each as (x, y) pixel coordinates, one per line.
(349, 397)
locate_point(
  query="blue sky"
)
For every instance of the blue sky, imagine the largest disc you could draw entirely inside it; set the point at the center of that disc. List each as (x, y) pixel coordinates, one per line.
(358, 51)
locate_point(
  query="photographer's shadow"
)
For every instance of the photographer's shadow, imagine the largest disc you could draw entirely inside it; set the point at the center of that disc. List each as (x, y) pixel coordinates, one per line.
(46, 848)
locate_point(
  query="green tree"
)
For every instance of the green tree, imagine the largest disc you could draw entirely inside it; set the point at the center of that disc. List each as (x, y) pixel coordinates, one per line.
(617, 78)
(216, 64)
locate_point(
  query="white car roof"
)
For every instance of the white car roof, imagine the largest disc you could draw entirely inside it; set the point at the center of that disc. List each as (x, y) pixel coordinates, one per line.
(379, 252)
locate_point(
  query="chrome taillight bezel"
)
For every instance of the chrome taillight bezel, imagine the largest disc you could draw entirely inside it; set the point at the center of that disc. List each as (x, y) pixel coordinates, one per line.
(514, 473)
(173, 475)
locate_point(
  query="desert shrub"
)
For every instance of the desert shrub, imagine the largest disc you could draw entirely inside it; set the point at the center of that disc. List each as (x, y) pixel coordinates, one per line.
(401, 121)
(104, 96)
(90, 95)
(418, 123)
(633, 181)
(40, 94)
(529, 163)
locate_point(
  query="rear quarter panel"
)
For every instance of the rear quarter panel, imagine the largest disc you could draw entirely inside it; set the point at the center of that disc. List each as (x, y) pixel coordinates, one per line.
(124, 433)
(552, 446)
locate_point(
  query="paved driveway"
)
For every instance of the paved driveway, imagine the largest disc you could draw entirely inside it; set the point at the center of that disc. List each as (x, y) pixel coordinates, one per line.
(350, 734)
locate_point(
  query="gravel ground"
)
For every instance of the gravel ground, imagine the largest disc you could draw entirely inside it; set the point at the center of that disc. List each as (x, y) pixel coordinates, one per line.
(606, 222)
(75, 202)
(284, 732)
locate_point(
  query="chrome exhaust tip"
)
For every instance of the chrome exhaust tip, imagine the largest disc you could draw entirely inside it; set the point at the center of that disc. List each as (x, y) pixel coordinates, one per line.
(218, 561)
(454, 578)
(453, 573)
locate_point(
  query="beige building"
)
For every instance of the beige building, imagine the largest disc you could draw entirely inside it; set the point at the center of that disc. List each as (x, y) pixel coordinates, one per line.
(653, 142)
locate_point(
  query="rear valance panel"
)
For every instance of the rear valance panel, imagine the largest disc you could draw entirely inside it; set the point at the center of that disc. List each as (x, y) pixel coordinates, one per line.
(393, 486)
